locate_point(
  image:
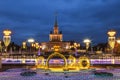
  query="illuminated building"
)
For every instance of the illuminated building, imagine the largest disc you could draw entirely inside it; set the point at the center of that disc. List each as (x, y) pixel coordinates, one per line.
(55, 35)
(55, 39)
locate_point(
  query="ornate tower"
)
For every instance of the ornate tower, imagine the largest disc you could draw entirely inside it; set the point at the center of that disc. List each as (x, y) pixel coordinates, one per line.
(55, 35)
(111, 39)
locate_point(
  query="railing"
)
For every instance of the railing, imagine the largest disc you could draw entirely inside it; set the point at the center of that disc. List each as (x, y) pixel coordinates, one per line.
(34, 61)
(94, 59)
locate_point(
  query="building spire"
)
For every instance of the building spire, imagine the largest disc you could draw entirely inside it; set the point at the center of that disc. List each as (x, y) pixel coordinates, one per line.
(56, 23)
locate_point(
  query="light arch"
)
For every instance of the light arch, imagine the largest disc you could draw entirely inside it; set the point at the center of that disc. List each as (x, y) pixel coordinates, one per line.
(42, 61)
(73, 59)
(80, 61)
(59, 55)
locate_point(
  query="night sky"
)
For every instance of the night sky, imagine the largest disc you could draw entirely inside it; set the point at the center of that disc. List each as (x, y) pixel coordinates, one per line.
(78, 19)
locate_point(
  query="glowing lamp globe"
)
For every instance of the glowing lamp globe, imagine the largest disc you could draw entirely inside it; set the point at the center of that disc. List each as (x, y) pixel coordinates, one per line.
(31, 40)
(118, 40)
(86, 41)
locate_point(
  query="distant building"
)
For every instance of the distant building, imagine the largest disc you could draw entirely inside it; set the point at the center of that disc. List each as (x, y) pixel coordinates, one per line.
(56, 35)
(56, 39)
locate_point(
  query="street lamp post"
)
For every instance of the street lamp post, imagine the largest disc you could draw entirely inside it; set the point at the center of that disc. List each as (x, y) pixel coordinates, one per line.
(87, 43)
(7, 38)
(111, 39)
(31, 40)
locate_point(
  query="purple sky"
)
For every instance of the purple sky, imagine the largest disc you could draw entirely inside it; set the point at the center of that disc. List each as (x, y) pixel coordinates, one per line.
(78, 19)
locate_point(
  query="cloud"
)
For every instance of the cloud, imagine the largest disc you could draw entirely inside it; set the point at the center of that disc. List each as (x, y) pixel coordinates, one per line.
(79, 18)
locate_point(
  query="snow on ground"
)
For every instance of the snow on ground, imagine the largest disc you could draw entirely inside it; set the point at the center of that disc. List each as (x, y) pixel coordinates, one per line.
(14, 74)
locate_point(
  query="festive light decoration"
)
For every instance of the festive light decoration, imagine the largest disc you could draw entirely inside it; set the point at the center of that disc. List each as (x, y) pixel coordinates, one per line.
(36, 45)
(7, 38)
(40, 62)
(56, 48)
(84, 62)
(24, 45)
(72, 61)
(59, 55)
(111, 39)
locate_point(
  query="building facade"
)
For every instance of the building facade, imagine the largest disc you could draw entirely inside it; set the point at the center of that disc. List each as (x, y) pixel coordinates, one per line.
(55, 35)
(55, 39)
